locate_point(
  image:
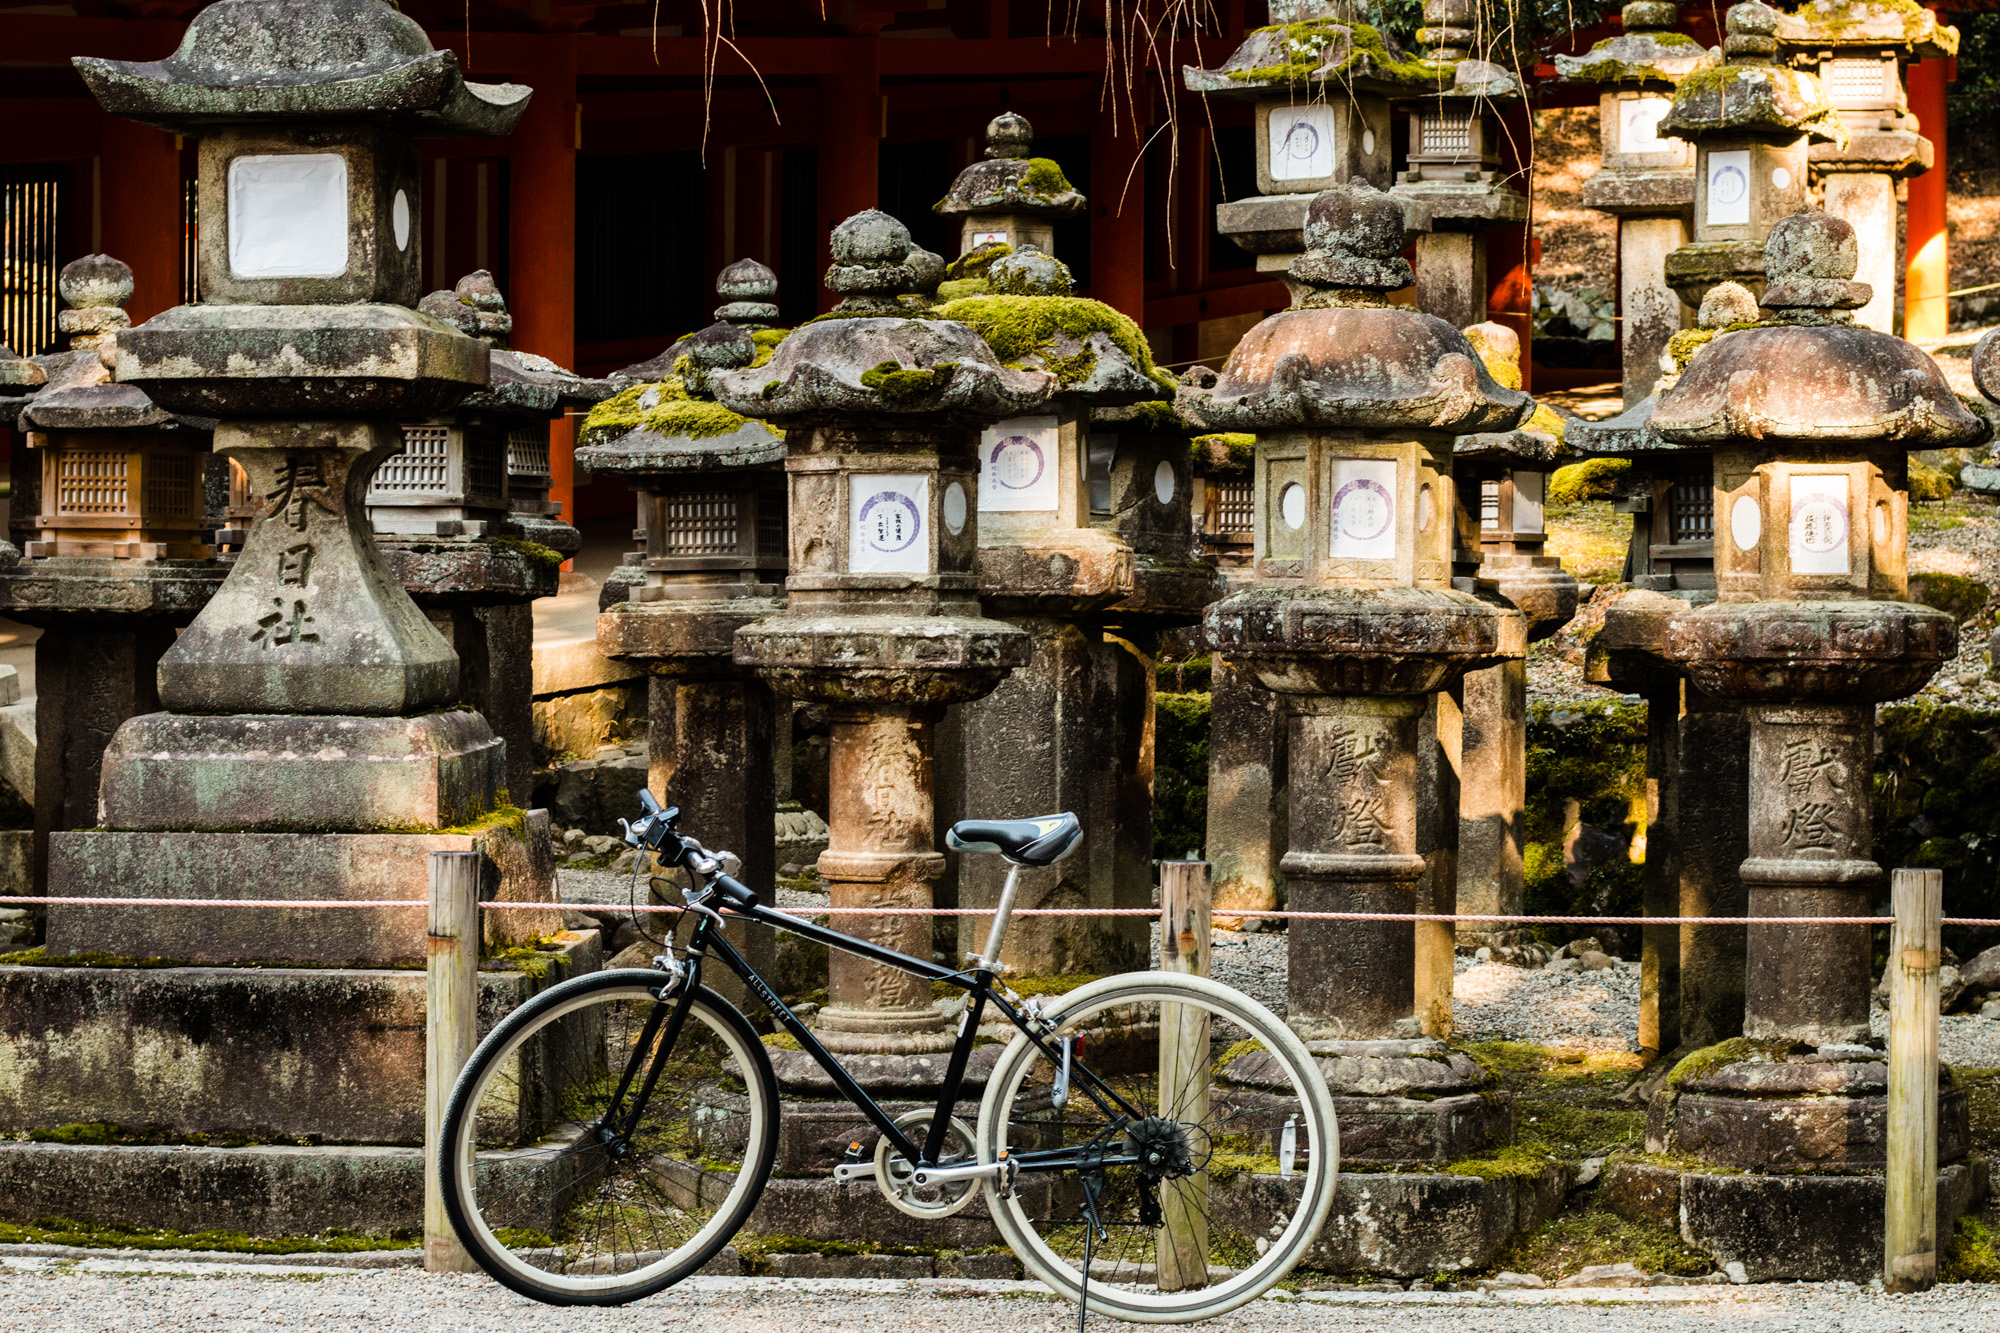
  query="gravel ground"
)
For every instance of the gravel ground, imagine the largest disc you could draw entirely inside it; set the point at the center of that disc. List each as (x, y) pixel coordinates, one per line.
(223, 1299)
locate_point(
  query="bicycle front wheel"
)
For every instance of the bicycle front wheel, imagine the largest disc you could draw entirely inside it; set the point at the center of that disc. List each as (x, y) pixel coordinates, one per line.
(557, 1191)
(1191, 1122)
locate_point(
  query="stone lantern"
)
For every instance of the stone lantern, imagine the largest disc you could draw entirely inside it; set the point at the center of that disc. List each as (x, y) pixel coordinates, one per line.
(1454, 165)
(882, 415)
(470, 551)
(307, 748)
(1645, 180)
(1859, 49)
(112, 486)
(1068, 731)
(1501, 481)
(1011, 197)
(1320, 81)
(1750, 119)
(1353, 618)
(1811, 421)
(711, 490)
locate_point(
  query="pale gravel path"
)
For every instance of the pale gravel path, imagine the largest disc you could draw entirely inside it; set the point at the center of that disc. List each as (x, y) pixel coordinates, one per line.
(35, 1297)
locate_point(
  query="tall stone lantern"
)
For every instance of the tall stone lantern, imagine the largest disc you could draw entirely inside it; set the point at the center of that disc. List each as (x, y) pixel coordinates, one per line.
(306, 748)
(1320, 81)
(1859, 51)
(111, 484)
(1453, 167)
(1356, 404)
(1010, 197)
(1645, 180)
(711, 490)
(1812, 420)
(882, 627)
(1750, 119)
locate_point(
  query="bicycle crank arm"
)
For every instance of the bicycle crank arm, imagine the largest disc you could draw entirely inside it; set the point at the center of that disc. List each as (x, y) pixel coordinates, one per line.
(945, 1175)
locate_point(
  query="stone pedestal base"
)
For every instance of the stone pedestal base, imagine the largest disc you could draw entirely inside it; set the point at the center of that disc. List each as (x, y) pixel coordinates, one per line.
(267, 1053)
(1401, 1225)
(98, 863)
(496, 649)
(1492, 798)
(1407, 1102)
(1248, 797)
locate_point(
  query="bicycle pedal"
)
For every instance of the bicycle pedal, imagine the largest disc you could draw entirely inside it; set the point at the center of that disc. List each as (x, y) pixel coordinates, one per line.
(851, 1168)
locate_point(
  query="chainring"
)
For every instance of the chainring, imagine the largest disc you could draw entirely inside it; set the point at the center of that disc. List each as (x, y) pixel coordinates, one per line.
(892, 1172)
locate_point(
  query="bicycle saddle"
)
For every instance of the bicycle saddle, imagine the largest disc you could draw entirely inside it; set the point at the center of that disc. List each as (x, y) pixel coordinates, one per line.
(1027, 842)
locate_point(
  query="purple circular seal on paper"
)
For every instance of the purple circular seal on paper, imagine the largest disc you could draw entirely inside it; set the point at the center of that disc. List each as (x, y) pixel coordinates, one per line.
(1301, 141)
(896, 525)
(1362, 509)
(1017, 462)
(1729, 184)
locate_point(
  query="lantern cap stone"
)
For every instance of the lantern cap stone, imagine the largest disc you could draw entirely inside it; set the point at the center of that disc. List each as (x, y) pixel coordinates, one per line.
(1815, 378)
(18, 374)
(1870, 25)
(1985, 365)
(522, 384)
(1749, 93)
(264, 61)
(1728, 303)
(1010, 179)
(96, 288)
(929, 267)
(1810, 259)
(77, 392)
(1354, 237)
(1029, 271)
(1647, 54)
(749, 292)
(871, 264)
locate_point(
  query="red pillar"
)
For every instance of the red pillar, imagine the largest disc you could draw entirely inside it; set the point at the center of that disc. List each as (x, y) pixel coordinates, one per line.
(139, 213)
(1118, 214)
(1926, 275)
(541, 217)
(1509, 250)
(850, 143)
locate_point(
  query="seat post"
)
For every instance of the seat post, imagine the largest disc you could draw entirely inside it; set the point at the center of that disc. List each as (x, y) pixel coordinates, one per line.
(1001, 911)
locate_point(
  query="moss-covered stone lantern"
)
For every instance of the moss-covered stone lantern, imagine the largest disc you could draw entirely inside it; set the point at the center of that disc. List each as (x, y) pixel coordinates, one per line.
(1811, 420)
(1750, 119)
(1453, 168)
(1859, 49)
(1645, 179)
(711, 488)
(1010, 197)
(1320, 80)
(1355, 404)
(882, 414)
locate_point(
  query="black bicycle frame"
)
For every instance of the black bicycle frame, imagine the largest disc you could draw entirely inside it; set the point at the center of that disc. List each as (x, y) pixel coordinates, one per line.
(708, 941)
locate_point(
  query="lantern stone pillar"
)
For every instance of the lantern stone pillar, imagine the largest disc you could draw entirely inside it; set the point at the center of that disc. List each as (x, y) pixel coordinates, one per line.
(711, 491)
(118, 560)
(1750, 120)
(881, 414)
(1809, 632)
(305, 748)
(1644, 180)
(463, 517)
(1354, 620)
(1860, 58)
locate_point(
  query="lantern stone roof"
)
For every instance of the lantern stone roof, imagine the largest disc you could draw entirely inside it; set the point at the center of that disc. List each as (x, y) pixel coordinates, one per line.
(1010, 179)
(522, 383)
(1812, 376)
(1648, 53)
(1317, 49)
(1749, 92)
(676, 425)
(18, 374)
(1344, 358)
(866, 356)
(1821, 25)
(1448, 37)
(248, 61)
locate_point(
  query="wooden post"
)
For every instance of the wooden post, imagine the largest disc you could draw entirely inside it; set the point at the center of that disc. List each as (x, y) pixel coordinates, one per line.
(1910, 1226)
(451, 1020)
(1186, 907)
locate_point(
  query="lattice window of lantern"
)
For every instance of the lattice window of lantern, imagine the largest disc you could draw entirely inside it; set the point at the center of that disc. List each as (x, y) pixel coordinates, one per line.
(1447, 136)
(423, 467)
(702, 523)
(1694, 509)
(528, 454)
(1235, 506)
(1489, 504)
(173, 487)
(93, 481)
(771, 524)
(1855, 83)
(485, 468)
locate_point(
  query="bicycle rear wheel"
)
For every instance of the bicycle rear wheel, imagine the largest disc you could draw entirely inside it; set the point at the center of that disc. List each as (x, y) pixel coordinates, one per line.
(559, 1204)
(1210, 1195)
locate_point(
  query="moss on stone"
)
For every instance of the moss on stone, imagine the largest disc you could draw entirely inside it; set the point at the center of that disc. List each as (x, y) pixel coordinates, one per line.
(1973, 1254)
(974, 262)
(1180, 772)
(1585, 762)
(1591, 479)
(1928, 483)
(1044, 179)
(1512, 1162)
(1021, 328)
(1696, 1064)
(1959, 597)
(894, 381)
(1229, 449)
(1564, 1246)
(1306, 42)
(957, 289)
(1160, 416)
(781, 1041)
(548, 558)
(673, 413)
(115, 1236)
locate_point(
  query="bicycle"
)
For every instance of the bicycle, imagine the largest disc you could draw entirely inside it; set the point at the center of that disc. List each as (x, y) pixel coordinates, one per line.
(608, 1138)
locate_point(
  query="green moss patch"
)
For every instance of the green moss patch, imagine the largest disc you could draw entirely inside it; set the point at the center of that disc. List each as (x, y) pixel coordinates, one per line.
(1180, 772)
(1021, 328)
(672, 412)
(111, 1235)
(1567, 1244)
(1234, 451)
(893, 381)
(1513, 1162)
(1591, 479)
(1306, 43)
(1586, 764)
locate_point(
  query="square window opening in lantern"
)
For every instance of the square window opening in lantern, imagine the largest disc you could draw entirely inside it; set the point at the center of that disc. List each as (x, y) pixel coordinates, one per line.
(1694, 509)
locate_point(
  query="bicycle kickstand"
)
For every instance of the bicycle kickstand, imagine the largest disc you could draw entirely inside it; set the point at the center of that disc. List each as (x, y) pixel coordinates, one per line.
(1093, 1229)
